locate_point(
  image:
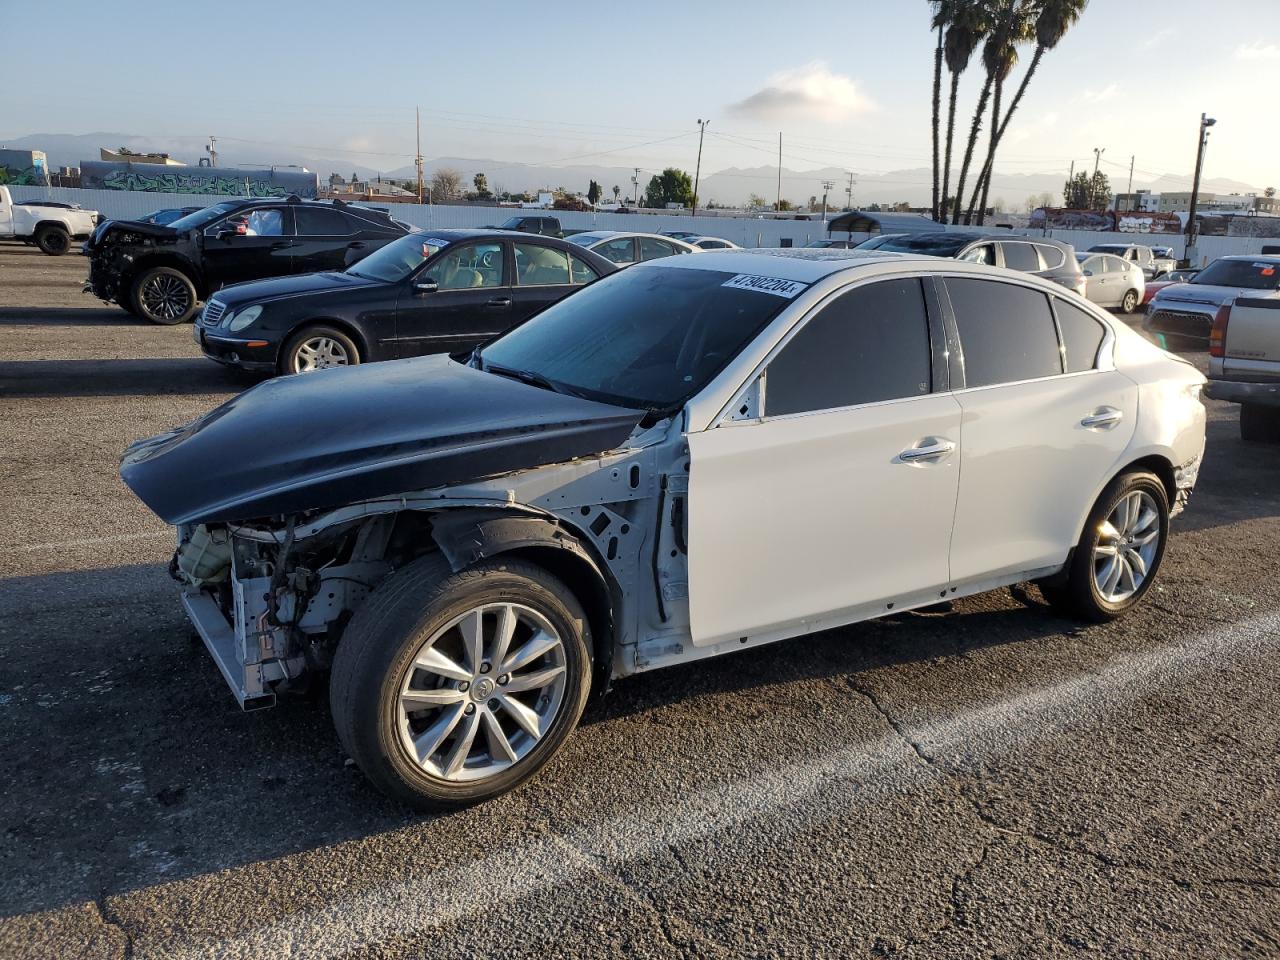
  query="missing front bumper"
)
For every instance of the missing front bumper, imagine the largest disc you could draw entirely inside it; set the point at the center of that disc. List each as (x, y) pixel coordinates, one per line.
(248, 681)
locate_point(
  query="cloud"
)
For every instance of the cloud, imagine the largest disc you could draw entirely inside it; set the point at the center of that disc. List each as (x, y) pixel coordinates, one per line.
(810, 92)
(1258, 51)
(1045, 124)
(1157, 38)
(1098, 96)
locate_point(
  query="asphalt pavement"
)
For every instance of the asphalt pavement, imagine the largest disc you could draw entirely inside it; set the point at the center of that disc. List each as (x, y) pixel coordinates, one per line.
(991, 782)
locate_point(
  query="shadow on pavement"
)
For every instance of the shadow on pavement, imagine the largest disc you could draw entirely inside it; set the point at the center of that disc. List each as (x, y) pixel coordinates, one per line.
(91, 378)
(95, 316)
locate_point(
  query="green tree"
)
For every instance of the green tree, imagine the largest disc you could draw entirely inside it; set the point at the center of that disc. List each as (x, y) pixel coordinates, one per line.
(670, 186)
(757, 202)
(1269, 192)
(1087, 192)
(616, 191)
(594, 192)
(785, 205)
(481, 183)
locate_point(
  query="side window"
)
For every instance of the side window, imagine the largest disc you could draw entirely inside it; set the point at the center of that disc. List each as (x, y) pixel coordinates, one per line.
(583, 272)
(1092, 266)
(1006, 331)
(983, 253)
(1116, 265)
(1081, 335)
(1021, 256)
(467, 266)
(264, 223)
(620, 250)
(1051, 257)
(539, 266)
(651, 248)
(318, 222)
(869, 344)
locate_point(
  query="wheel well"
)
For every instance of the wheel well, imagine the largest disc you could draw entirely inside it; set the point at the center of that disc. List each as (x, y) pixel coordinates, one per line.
(356, 336)
(1161, 467)
(50, 223)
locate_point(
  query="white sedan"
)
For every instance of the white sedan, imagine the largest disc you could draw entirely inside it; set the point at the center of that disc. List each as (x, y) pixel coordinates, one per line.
(690, 457)
(625, 249)
(1111, 281)
(713, 243)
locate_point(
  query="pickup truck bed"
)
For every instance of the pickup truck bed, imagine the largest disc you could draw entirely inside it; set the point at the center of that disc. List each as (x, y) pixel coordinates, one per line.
(1244, 365)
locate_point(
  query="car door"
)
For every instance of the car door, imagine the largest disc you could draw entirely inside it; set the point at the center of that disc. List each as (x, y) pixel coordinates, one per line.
(471, 302)
(1044, 425)
(837, 500)
(1096, 287)
(249, 245)
(542, 278)
(322, 237)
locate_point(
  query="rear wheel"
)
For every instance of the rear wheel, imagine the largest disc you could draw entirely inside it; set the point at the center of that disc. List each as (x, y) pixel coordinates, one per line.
(452, 688)
(163, 295)
(1119, 552)
(318, 348)
(1130, 302)
(1259, 424)
(53, 240)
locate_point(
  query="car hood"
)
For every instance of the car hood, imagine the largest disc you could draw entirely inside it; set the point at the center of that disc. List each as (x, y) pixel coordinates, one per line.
(1203, 293)
(257, 291)
(350, 434)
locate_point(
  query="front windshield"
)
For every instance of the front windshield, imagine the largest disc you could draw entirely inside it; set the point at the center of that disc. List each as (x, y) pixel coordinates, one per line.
(397, 260)
(647, 338)
(198, 219)
(584, 239)
(932, 244)
(1246, 274)
(511, 223)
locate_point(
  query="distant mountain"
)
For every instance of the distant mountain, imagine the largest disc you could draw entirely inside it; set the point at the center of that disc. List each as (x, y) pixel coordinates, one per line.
(729, 187)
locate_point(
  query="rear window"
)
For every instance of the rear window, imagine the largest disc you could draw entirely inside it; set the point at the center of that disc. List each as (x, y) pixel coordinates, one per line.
(1007, 333)
(1053, 257)
(1248, 274)
(1081, 335)
(931, 244)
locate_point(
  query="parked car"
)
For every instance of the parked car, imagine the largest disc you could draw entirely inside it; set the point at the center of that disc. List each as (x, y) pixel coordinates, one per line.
(433, 292)
(474, 546)
(1244, 364)
(51, 228)
(1051, 259)
(624, 249)
(1186, 311)
(829, 244)
(161, 273)
(1169, 279)
(680, 234)
(544, 226)
(1111, 281)
(168, 215)
(1146, 258)
(712, 243)
(878, 241)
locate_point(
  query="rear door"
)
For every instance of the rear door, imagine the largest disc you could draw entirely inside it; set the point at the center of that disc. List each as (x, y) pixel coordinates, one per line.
(1044, 426)
(249, 245)
(542, 277)
(471, 303)
(1095, 280)
(323, 235)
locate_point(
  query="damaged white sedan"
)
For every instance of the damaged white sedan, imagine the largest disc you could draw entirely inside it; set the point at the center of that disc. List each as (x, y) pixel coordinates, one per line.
(694, 456)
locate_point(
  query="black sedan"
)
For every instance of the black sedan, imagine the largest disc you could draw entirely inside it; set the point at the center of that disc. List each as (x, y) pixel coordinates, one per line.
(435, 292)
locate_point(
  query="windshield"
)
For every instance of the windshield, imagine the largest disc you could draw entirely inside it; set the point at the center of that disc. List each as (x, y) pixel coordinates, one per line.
(207, 215)
(513, 223)
(647, 338)
(933, 244)
(398, 259)
(1107, 247)
(584, 239)
(1248, 274)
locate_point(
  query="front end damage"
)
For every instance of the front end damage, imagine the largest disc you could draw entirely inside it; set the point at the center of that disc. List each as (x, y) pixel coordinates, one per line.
(114, 249)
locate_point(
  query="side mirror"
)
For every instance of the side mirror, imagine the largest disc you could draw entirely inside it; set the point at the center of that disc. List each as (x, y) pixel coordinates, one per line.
(1088, 273)
(226, 235)
(425, 285)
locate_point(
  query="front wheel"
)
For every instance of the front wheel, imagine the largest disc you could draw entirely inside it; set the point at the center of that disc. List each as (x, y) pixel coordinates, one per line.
(1130, 302)
(1119, 552)
(452, 688)
(163, 295)
(318, 348)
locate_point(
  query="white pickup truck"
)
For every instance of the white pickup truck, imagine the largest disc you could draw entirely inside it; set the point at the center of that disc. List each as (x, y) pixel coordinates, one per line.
(49, 228)
(1148, 260)
(1244, 364)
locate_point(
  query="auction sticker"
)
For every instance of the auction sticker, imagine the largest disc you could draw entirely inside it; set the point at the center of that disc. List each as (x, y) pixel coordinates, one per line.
(774, 285)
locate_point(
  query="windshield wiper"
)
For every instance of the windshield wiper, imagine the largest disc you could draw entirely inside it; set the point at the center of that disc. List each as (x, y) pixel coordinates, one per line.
(530, 377)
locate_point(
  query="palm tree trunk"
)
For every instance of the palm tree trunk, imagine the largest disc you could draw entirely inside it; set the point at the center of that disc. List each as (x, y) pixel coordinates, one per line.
(984, 179)
(937, 104)
(946, 158)
(985, 176)
(974, 130)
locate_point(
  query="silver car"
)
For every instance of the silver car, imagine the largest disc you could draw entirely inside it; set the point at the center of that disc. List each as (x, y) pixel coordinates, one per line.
(1111, 281)
(625, 249)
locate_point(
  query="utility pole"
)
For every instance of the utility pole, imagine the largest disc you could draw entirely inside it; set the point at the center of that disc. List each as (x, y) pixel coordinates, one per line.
(697, 171)
(1132, 159)
(777, 204)
(1093, 184)
(635, 182)
(418, 160)
(848, 191)
(826, 188)
(212, 150)
(1193, 230)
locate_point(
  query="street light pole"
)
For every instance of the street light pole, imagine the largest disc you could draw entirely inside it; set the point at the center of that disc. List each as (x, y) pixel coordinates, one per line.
(1193, 230)
(697, 171)
(826, 188)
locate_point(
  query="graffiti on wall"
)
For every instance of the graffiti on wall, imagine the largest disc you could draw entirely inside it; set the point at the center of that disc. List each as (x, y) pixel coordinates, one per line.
(18, 177)
(206, 181)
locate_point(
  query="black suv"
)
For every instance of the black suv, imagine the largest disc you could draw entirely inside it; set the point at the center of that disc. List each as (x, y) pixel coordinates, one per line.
(161, 273)
(543, 226)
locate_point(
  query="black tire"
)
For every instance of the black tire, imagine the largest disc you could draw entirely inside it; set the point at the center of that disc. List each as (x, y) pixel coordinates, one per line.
(384, 636)
(1075, 592)
(53, 240)
(163, 295)
(291, 360)
(1259, 424)
(1130, 302)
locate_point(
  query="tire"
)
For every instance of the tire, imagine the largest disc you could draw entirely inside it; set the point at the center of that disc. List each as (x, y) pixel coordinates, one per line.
(163, 296)
(1077, 592)
(317, 348)
(53, 240)
(1259, 424)
(376, 668)
(1130, 302)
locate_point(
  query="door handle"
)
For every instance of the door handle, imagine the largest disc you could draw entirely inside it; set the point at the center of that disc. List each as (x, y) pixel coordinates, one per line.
(1104, 418)
(499, 302)
(280, 245)
(928, 450)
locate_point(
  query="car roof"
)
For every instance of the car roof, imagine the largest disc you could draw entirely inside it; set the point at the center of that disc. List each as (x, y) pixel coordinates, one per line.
(1268, 257)
(802, 264)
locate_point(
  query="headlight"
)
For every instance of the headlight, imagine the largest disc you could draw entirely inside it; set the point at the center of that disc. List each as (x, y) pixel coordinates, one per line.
(238, 321)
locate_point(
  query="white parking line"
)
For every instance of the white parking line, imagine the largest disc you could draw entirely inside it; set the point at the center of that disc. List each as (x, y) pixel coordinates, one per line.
(62, 545)
(826, 787)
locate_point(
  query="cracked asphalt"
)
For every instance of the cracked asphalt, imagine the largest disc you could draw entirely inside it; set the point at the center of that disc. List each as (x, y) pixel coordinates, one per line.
(990, 782)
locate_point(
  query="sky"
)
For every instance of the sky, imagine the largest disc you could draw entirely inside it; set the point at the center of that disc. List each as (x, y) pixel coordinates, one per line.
(848, 84)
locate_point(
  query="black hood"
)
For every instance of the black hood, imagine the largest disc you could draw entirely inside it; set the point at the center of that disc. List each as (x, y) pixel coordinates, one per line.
(129, 226)
(349, 434)
(260, 291)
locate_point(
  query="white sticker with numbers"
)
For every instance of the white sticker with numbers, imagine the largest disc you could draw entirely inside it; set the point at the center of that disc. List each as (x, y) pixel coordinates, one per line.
(774, 285)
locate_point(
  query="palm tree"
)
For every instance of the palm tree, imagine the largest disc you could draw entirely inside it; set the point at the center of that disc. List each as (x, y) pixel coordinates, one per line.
(941, 14)
(1054, 18)
(967, 27)
(1000, 55)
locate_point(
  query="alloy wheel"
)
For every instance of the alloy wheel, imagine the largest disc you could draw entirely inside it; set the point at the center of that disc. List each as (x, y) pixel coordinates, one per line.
(165, 296)
(481, 692)
(1126, 547)
(320, 353)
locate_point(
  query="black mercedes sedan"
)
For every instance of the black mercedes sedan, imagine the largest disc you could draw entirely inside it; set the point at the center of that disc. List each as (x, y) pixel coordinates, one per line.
(438, 291)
